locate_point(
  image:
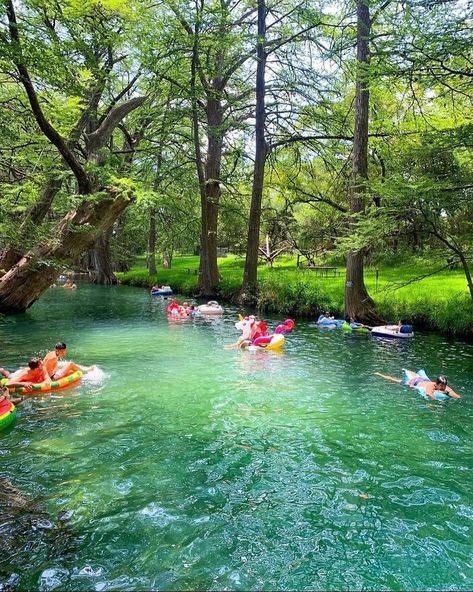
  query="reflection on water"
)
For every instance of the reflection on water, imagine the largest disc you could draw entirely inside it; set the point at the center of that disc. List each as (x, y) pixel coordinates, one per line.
(183, 466)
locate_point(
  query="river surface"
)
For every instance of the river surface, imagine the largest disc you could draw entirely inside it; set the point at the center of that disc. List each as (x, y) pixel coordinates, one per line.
(183, 466)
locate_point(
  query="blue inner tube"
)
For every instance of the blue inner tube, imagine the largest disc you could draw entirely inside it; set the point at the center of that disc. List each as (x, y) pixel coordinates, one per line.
(322, 320)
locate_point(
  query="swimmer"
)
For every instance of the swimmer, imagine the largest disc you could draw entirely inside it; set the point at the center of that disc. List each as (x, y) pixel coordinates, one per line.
(440, 384)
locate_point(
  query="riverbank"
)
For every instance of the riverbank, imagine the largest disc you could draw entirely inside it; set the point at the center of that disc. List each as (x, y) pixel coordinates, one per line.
(438, 302)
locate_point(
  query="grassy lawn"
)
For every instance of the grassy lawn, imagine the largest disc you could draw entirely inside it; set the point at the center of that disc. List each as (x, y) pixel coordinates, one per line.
(440, 301)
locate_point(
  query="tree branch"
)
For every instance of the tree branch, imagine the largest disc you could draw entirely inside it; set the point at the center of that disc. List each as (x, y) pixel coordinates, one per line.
(102, 135)
(83, 181)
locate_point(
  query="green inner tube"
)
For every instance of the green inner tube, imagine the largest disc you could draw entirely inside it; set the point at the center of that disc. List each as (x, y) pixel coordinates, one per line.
(360, 330)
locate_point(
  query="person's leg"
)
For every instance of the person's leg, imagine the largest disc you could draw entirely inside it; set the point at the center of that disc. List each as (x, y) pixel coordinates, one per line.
(71, 367)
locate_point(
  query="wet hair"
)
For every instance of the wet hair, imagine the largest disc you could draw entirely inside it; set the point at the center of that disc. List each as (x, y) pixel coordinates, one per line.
(60, 345)
(441, 380)
(34, 363)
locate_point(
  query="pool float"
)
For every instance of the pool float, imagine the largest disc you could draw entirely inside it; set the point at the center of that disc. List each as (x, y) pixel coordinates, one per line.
(211, 308)
(7, 413)
(268, 342)
(393, 331)
(285, 328)
(323, 321)
(55, 385)
(356, 328)
(256, 332)
(409, 379)
(162, 291)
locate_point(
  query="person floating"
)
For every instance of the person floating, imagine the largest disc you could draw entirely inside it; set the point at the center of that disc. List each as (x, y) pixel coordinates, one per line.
(327, 315)
(51, 363)
(354, 324)
(6, 382)
(418, 379)
(252, 329)
(25, 377)
(401, 327)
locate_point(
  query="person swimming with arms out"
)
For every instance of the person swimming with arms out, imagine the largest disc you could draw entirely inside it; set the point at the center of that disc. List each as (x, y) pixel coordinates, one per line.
(429, 386)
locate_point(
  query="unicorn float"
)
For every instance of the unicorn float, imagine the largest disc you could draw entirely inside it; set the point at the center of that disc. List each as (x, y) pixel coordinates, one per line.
(254, 334)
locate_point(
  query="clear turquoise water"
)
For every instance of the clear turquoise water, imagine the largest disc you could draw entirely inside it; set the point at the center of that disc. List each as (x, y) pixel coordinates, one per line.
(184, 466)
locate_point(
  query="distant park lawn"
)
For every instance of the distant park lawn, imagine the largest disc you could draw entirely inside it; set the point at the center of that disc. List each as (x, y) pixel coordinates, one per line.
(440, 301)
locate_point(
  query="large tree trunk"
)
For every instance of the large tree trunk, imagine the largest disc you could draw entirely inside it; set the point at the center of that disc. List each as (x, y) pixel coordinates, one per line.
(151, 258)
(358, 303)
(103, 260)
(77, 232)
(248, 292)
(208, 273)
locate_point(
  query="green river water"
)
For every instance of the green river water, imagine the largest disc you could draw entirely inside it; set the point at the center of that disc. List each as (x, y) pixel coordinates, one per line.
(184, 466)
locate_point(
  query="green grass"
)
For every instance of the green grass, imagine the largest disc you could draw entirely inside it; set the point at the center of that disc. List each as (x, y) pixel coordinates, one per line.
(439, 302)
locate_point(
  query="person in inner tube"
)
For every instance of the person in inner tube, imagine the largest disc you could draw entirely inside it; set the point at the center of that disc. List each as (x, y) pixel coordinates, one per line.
(26, 377)
(51, 365)
(401, 327)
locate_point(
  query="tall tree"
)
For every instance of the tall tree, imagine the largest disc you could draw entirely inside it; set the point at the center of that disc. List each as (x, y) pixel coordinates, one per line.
(249, 287)
(217, 35)
(81, 226)
(358, 303)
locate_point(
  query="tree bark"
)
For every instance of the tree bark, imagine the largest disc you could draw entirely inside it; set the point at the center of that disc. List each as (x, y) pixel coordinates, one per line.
(248, 291)
(209, 176)
(77, 232)
(358, 303)
(151, 258)
(209, 276)
(103, 260)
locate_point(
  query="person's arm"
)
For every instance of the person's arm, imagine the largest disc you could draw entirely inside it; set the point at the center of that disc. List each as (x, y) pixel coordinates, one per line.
(46, 377)
(451, 393)
(28, 386)
(388, 377)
